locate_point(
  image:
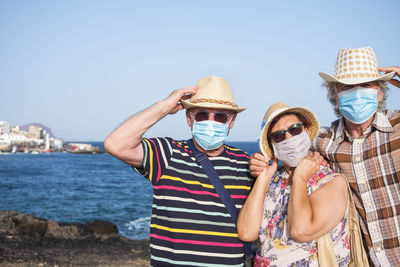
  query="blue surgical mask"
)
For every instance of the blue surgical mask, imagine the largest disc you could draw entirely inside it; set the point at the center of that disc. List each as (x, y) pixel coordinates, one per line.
(210, 134)
(358, 104)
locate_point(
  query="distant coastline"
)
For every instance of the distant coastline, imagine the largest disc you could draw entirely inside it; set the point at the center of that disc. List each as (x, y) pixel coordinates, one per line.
(36, 138)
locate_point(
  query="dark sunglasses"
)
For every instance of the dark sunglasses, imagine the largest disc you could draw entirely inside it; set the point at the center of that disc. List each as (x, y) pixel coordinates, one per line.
(294, 129)
(219, 116)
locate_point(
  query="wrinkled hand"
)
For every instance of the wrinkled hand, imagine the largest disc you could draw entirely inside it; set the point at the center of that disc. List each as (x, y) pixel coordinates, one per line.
(173, 102)
(257, 163)
(306, 168)
(269, 170)
(396, 69)
(322, 161)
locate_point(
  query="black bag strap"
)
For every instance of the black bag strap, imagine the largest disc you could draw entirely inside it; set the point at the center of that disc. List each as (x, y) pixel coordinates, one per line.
(208, 168)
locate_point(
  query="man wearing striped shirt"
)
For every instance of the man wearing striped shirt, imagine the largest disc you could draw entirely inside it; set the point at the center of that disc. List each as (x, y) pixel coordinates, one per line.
(190, 225)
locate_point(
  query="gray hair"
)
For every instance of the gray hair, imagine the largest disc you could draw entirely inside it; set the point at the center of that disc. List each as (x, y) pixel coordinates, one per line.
(332, 96)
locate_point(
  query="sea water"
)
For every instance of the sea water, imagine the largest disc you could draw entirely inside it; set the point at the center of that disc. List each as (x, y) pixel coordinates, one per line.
(80, 188)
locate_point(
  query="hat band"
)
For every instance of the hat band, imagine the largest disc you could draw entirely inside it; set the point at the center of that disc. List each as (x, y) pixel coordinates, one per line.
(215, 101)
(357, 75)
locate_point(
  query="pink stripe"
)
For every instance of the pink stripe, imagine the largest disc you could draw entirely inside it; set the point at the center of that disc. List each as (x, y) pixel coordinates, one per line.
(238, 196)
(158, 161)
(185, 189)
(196, 242)
(238, 155)
(193, 191)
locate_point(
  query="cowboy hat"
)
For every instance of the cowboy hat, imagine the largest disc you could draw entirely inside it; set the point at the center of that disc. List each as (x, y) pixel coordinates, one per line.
(356, 65)
(278, 109)
(214, 92)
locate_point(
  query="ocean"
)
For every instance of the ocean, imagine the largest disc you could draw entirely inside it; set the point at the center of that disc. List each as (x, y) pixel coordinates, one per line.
(80, 188)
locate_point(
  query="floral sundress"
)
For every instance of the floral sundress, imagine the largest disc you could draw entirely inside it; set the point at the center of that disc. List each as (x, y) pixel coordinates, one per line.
(277, 247)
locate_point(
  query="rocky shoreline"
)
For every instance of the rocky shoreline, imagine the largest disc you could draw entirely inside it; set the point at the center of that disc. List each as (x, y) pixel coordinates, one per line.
(27, 240)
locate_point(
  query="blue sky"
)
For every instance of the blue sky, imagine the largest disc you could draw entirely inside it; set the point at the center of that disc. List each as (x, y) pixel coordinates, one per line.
(83, 67)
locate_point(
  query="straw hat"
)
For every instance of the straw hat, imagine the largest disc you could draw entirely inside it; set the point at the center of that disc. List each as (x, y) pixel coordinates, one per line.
(356, 65)
(280, 108)
(214, 92)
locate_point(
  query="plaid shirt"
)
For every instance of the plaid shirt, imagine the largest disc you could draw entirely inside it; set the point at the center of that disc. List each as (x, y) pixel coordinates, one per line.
(371, 163)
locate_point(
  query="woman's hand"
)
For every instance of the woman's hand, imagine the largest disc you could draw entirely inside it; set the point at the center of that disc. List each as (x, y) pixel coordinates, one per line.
(306, 168)
(269, 170)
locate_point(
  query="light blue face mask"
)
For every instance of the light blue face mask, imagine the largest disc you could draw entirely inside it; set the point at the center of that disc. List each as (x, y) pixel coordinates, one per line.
(358, 104)
(210, 134)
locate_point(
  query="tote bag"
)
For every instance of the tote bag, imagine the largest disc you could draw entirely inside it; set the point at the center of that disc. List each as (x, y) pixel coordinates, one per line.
(358, 256)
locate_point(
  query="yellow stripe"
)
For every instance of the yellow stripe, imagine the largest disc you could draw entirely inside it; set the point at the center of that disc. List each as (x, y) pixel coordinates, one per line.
(151, 159)
(188, 231)
(203, 185)
(231, 148)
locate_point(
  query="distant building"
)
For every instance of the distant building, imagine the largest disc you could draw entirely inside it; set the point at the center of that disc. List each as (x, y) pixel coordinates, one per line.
(35, 138)
(5, 142)
(15, 129)
(35, 132)
(13, 138)
(58, 143)
(5, 127)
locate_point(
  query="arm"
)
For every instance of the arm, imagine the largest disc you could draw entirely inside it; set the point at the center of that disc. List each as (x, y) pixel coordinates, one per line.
(310, 217)
(396, 69)
(251, 214)
(124, 143)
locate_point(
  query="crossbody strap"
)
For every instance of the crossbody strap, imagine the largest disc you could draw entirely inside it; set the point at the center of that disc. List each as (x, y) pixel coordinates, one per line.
(202, 159)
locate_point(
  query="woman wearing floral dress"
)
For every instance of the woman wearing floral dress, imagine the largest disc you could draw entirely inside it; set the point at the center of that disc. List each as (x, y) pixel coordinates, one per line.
(291, 206)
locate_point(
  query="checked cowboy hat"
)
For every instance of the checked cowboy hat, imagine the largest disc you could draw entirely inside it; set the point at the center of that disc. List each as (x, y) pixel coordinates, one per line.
(356, 65)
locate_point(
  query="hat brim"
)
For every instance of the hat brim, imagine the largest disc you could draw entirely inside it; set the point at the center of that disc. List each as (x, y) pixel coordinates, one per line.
(188, 105)
(329, 78)
(266, 148)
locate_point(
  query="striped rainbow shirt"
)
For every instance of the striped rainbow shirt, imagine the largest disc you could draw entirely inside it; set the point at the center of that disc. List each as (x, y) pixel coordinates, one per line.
(189, 224)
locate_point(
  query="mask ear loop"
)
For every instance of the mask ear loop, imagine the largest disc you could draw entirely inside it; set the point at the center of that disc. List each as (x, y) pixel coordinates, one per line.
(230, 117)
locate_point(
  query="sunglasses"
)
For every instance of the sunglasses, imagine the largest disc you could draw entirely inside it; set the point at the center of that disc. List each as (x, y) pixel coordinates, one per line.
(219, 116)
(294, 129)
(344, 87)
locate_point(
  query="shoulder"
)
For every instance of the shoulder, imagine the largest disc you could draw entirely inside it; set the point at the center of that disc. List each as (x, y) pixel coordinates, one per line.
(159, 145)
(324, 176)
(328, 132)
(393, 117)
(233, 152)
(166, 141)
(157, 141)
(330, 185)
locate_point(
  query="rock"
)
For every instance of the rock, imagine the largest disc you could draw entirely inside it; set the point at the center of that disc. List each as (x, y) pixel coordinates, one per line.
(14, 222)
(30, 225)
(101, 227)
(7, 225)
(17, 223)
(67, 231)
(27, 240)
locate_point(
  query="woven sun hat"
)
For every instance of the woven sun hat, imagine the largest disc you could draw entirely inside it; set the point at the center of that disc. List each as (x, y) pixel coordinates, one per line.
(356, 65)
(278, 109)
(214, 92)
